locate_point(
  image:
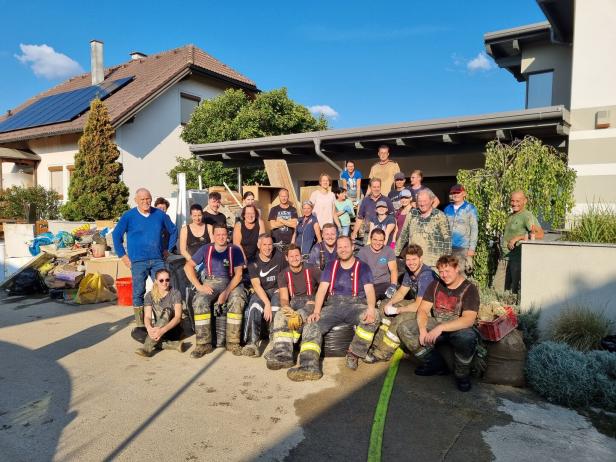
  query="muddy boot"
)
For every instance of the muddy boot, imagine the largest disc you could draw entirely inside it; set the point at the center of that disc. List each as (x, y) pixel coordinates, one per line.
(433, 364)
(352, 361)
(371, 359)
(147, 349)
(299, 374)
(234, 348)
(138, 313)
(274, 362)
(173, 345)
(251, 350)
(201, 350)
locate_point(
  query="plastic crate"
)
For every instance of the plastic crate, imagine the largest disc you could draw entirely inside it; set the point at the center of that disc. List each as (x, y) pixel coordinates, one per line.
(495, 330)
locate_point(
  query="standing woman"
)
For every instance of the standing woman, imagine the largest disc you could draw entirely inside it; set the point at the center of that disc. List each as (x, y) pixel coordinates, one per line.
(193, 235)
(246, 232)
(324, 202)
(162, 316)
(308, 230)
(403, 211)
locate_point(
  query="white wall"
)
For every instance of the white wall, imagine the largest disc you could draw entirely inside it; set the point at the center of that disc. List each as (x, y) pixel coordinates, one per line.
(150, 144)
(539, 58)
(57, 151)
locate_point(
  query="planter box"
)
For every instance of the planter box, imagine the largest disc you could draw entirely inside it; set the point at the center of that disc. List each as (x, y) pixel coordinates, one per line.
(558, 275)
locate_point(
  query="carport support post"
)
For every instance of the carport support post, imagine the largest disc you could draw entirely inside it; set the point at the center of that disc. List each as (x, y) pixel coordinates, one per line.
(239, 180)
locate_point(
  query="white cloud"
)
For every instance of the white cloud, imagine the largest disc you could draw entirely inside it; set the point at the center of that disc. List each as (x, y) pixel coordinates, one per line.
(324, 109)
(479, 63)
(48, 63)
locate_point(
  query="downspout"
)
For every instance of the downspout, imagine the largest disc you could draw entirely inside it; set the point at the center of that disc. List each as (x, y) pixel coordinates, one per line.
(321, 154)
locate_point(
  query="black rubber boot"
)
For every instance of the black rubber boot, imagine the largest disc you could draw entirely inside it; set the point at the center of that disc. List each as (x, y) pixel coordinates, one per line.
(433, 365)
(463, 383)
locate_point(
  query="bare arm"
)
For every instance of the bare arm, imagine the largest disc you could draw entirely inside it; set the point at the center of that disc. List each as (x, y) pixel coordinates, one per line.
(388, 230)
(399, 294)
(210, 232)
(183, 240)
(435, 202)
(191, 274)
(423, 311)
(393, 271)
(283, 293)
(463, 322)
(335, 215)
(371, 314)
(404, 235)
(237, 238)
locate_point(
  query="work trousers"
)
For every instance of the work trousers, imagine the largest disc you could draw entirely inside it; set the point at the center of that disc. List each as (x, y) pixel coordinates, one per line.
(386, 340)
(253, 316)
(283, 337)
(463, 343)
(141, 335)
(202, 306)
(337, 310)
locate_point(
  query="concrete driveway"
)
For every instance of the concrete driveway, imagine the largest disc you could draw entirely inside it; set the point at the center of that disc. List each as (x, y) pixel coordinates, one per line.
(72, 388)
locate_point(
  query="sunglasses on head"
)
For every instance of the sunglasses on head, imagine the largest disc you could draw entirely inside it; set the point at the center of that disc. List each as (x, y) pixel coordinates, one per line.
(164, 280)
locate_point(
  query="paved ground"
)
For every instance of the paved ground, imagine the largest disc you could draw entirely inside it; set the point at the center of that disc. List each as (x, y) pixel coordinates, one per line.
(71, 387)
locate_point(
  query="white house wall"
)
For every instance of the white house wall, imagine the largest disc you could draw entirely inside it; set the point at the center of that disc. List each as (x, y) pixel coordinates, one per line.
(57, 151)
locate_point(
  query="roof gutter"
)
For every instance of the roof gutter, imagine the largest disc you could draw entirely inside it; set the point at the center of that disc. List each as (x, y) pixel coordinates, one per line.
(321, 154)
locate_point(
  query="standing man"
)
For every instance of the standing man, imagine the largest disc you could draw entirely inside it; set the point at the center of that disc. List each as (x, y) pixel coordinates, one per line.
(455, 302)
(283, 219)
(462, 218)
(264, 302)
(521, 226)
(381, 259)
(212, 216)
(220, 283)
(346, 284)
(367, 209)
(416, 186)
(351, 181)
(416, 279)
(297, 286)
(399, 186)
(427, 227)
(143, 226)
(325, 251)
(385, 169)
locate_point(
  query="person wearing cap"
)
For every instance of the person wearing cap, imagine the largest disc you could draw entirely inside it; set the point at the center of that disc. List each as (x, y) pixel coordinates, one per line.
(307, 231)
(399, 186)
(462, 217)
(383, 220)
(367, 209)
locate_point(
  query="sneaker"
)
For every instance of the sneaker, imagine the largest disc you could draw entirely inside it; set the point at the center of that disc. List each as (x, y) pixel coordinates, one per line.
(201, 350)
(299, 374)
(463, 384)
(251, 350)
(234, 348)
(352, 361)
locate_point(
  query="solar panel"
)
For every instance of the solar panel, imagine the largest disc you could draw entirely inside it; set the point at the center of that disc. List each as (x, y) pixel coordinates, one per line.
(61, 107)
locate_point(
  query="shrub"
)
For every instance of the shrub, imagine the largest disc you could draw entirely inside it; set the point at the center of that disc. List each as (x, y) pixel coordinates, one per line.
(597, 224)
(14, 202)
(528, 323)
(577, 379)
(581, 328)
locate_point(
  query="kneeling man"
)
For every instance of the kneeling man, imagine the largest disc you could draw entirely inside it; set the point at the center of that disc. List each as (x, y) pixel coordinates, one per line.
(347, 285)
(297, 286)
(220, 282)
(455, 302)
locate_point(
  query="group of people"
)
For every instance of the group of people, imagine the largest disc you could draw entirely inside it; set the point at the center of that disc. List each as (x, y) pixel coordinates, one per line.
(406, 287)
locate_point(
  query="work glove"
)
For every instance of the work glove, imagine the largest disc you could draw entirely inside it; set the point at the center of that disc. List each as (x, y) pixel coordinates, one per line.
(390, 310)
(391, 290)
(294, 320)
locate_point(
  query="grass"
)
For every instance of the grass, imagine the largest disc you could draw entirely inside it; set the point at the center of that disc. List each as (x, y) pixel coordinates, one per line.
(597, 224)
(581, 328)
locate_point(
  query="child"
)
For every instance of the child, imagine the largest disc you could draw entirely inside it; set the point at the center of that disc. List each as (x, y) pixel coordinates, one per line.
(383, 220)
(344, 210)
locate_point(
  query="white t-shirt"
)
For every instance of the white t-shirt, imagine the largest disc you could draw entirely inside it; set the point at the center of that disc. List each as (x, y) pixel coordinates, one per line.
(323, 206)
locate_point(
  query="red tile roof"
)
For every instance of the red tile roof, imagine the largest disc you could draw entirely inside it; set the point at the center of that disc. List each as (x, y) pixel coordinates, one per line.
(152, 75)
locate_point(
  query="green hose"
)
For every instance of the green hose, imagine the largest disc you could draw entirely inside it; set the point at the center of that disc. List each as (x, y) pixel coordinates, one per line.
(380, 414)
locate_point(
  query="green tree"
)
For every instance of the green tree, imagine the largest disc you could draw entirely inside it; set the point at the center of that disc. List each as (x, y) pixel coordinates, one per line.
(527, 165)
(233, 116)
(96, 191)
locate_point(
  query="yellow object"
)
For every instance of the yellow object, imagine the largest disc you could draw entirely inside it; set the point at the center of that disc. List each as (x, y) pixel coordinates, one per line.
(75, 231)
(46, 268)
(92, 289)
(294, 320)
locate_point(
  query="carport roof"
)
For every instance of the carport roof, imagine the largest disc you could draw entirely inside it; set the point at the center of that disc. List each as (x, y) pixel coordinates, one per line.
(450, 135)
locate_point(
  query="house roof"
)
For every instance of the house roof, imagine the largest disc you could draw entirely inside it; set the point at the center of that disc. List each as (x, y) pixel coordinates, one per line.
(16, 154)
(152, 75)
(439, 136)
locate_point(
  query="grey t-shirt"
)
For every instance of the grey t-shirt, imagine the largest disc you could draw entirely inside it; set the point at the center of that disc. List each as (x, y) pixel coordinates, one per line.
(377, 261)
(166, 303)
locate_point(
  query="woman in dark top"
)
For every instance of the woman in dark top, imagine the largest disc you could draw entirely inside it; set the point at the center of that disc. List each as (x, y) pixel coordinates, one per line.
(193, 236)
(403, 211)
(246, 232)
(308, 230)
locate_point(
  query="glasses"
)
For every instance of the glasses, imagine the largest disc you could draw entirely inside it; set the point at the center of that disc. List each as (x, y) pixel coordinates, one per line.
(164, 280)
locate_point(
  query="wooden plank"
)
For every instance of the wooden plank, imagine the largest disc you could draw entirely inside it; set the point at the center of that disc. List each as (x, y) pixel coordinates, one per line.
(278, 175)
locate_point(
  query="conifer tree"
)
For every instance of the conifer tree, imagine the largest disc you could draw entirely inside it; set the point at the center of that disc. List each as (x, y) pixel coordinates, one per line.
(96, 191)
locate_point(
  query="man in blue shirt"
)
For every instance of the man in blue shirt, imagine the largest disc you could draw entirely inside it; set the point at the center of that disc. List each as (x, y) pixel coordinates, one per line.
(143, 226)
(347, 285)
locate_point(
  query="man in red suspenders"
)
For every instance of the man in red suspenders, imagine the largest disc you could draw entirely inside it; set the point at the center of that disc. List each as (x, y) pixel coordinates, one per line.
(297, 286)
(220, 281)
(347, 285)
(455, 302)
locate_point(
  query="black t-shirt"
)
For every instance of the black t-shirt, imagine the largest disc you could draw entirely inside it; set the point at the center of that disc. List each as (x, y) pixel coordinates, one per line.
(284, 233)
(450, 303)
(213, 219)
(394, 196)
(298, 283)
(267, 271)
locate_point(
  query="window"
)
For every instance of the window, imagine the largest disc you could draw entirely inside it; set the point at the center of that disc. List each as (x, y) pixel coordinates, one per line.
(539, 89)
(56, 180)
(188, 103)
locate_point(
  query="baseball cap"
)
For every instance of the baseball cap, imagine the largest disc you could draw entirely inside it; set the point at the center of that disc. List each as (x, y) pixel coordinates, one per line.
(456, 188)
(381, 204)
(405, 193)
(399, 176)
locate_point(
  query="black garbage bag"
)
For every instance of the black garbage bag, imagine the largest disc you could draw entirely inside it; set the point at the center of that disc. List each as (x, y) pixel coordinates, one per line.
(28, 282)
(336, 342)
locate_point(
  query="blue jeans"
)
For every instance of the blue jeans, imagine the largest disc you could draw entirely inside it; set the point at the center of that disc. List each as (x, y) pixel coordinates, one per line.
(344, 230)
(140, 271)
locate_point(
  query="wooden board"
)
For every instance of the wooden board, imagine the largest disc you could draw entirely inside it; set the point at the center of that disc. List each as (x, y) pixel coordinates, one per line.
(305, 192)
(278, 175)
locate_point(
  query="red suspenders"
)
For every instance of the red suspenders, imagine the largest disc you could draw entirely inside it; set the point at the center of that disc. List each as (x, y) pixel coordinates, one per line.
(208, 260)
(332, 281)
(291, 287)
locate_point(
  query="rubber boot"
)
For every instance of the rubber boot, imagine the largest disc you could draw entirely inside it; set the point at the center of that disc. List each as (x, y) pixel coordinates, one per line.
(234, 348)
(275, 363)
(251, 350)
(351, 361)
(148, 348)
(138, 313)
(173, 345)
(433, 365)
(299, 374)
(201, 350)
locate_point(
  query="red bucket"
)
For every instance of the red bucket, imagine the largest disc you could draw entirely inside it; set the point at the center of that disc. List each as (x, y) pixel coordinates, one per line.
(124, 287)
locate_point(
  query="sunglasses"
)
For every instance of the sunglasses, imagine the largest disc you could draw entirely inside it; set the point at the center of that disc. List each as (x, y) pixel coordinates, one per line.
(164, 280)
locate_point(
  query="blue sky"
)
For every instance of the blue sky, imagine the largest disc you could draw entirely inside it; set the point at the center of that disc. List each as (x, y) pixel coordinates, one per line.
(408, 60)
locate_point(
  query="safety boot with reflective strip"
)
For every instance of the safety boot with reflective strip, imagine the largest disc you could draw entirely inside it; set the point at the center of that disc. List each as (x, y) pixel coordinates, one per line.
(308, 363)
(362, 340)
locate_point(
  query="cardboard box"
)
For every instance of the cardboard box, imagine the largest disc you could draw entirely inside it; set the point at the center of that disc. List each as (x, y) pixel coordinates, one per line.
(110, 266)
